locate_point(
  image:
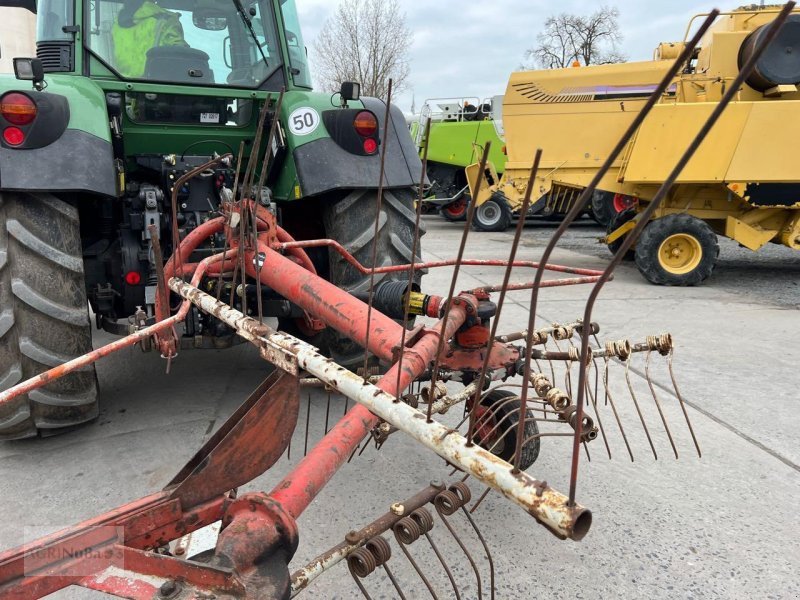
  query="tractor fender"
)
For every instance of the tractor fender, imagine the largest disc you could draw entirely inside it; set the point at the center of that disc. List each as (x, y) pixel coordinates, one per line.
(322, 165)
(79, 159)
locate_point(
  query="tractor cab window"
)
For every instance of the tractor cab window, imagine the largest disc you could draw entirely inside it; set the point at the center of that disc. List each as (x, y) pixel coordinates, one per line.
(298, 61)
(190, 42)
(53, 18)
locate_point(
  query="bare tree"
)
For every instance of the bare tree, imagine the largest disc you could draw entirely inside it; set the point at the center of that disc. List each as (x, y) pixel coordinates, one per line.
(569, 38)
(365, 41)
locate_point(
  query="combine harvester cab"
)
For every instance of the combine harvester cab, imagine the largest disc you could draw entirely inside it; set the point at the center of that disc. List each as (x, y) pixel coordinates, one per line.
(135, 122)
(741, 183)
(460, 128)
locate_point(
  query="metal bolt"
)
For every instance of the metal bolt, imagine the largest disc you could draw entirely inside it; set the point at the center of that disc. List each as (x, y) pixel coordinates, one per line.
(168, 589)
(398, 509)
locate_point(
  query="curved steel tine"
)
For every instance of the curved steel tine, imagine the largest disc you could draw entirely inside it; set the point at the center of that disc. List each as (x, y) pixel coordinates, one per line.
(308, 422)
(360, 585)
(416, 568)
(610, 400)
(638, 408)
(414, 251)
(485, 547)
(682, 404)
(658, 404)
(501, 301)
(447, 570)
(648, 212)
(378, 208)
(394, 581)
(586, 196)
(454, 279)
(463, 547)
(593, 400)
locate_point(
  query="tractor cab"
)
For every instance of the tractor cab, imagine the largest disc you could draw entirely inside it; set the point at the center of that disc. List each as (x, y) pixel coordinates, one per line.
(229, 43)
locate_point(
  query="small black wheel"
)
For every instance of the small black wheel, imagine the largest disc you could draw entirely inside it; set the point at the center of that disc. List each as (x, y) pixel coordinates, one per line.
(498, 420)
(456, 211)
(678, 250)
(493, 215)
(616, 222)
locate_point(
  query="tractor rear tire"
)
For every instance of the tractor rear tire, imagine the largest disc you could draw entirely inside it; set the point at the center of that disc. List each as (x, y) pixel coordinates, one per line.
(44, 316)
(493, 215)
(677, 250)
(351, 222)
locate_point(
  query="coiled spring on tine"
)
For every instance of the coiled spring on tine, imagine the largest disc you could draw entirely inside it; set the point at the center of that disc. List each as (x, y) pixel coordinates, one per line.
(621, 349)
(660, 343)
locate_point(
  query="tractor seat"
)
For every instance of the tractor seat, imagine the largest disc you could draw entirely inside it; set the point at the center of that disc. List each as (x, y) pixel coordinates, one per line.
(178, 64)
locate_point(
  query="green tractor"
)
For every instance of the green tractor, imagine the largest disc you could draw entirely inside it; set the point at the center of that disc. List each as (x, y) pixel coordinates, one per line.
(460, 127)
(122, 100)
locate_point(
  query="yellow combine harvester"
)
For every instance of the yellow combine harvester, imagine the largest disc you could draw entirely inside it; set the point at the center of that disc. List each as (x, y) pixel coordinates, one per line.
(743, 183)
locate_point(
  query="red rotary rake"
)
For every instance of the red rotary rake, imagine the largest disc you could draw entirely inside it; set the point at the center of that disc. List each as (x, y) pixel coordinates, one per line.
(138, 550)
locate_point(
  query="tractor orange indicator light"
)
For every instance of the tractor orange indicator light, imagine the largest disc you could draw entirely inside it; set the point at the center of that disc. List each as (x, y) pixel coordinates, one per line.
(13, 136)
(366, 124)
(18, 109)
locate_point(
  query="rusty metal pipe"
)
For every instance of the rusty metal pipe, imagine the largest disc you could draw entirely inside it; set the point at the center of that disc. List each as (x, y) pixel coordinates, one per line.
(332, 305)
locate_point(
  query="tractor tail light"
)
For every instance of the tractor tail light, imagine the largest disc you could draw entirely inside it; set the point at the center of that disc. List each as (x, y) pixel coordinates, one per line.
(370, 146)
(366, 124)
(18, 109)
(13, 136)
(133, 278)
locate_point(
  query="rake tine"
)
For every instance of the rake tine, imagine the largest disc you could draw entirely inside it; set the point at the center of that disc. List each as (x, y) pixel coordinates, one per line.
(658, 404)
(308, 422)
(610, 400)
(480, 500)
(267, 154)
(622, 144)
(327, 413)
(456, 269)
(485, 547)
(593, 400)
(586, 449)
(682, 404)
(414, 251)
(227, 241)
(501, 300)
(259, 266)
(378, 208)
(414, 564)
(638, 408)
(394, 581)
(463, 547)
(357, 580)
(648, 212)
(444, 564)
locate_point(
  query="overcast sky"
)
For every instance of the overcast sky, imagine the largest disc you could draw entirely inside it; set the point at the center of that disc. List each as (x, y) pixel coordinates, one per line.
(468, 48)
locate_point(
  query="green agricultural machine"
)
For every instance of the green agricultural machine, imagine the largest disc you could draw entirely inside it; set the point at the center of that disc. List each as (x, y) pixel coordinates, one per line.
(123, 99)
(460, 127)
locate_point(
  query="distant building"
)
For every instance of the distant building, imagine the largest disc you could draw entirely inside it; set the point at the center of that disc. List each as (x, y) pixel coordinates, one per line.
(17, 36)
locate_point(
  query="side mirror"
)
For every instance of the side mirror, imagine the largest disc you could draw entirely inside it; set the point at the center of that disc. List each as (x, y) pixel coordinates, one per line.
(350, 90)
(209, 19)
(30, 69)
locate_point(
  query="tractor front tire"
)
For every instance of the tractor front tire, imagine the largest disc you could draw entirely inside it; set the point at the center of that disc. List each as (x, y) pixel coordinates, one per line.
(677, 250)
(44, 316)
(493, 215)
(351, 222)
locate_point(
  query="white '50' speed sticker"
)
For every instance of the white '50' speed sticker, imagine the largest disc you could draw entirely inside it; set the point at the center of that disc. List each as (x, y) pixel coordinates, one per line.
(304, 121)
